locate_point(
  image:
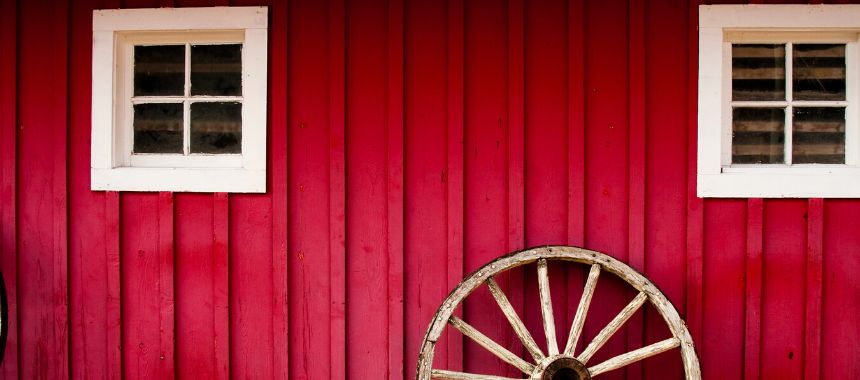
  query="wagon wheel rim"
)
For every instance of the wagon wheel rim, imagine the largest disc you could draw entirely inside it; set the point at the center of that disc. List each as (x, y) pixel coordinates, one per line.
(565, 357)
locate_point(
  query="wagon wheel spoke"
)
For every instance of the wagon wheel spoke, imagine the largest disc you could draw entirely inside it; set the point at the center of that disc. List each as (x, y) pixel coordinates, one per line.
(452, 375)
(515, 321)
(546, 308)
(612, 327)
(634, 356)
(490, 345)
(582, 310)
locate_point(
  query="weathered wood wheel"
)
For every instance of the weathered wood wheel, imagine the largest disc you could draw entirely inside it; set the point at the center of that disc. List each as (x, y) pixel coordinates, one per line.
(557, 364)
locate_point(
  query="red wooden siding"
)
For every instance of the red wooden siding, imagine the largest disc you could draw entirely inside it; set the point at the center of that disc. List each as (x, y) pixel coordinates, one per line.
(410, 142)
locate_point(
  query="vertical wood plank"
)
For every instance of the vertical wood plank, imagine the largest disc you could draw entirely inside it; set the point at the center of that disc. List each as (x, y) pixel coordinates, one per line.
(606, 162)
(370, 180)
(575, 143)
(221, 283)
(636, 162)
(194, 246)
(576, 123)
(41, 193)
(166, 305)
(313, 302)
(814, 288)
(695, 206)
(278, 168)
(516, 154)
(516, 125)
(140, 256)
(487, 181)
(665, 102)
(425, 172)
(113, 307)
(60, 87)
(8, 214)
(636, 138)
(455, 152)
(752, 326)
(840, 304)
(545, 150)
(721, 352)
(395, 190)
(785, 226)
(337, 196)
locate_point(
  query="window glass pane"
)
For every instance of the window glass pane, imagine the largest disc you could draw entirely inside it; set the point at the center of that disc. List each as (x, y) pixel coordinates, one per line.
(216, 127)
(819, 135)
(758, 72)
(819, 72)
(159, 70)
(758, 135)
(158, 128)
(216, 70)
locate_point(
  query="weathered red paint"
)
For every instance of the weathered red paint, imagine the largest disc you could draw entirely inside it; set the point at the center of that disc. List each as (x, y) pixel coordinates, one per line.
(410, 141)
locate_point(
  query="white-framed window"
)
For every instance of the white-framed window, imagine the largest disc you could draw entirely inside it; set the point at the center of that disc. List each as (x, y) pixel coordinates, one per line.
(779, 108)
(179, 99)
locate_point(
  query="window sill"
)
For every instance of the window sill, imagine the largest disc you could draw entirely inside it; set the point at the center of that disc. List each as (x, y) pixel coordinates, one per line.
(179, 180)
(765, 183)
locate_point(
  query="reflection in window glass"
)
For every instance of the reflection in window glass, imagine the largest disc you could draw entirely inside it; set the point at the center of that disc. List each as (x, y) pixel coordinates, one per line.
(819, 72)
(758, 136)
(159, 70)
(819, 135)
(216, 70)
(758, 72)
(158, 128)
(216, 127)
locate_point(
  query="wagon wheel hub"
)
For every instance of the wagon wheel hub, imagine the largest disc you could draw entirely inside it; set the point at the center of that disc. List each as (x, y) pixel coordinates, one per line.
(562, 368)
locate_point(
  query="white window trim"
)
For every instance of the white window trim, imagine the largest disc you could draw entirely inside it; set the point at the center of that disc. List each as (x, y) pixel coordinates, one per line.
(718, 25)
(111, 162)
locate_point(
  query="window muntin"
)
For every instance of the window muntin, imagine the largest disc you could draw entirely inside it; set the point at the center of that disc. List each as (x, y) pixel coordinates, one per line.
(203, 81)
(788, 103)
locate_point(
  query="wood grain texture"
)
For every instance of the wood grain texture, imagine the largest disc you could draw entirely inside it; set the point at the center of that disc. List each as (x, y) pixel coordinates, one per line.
(337, 187)
(814, 289)
(112, 270)
(278, 144)
(694, 206)
(582, 310)
(546, 309)
(395, 193)
(637, 165)
(166, 295)
(515, 321)
(221, 283)
(490, 345)
(603, 336)
(194, 242)
(59, 204)
(752, 325)
(634, 356)
(454, 152)
(42, 212)
(369, 180)
(8, 198)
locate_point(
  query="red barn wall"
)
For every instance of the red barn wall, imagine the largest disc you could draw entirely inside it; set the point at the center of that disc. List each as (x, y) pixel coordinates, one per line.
(410, 141)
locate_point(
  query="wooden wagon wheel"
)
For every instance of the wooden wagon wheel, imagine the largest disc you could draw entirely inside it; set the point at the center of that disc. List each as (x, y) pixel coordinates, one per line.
(557, 364)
